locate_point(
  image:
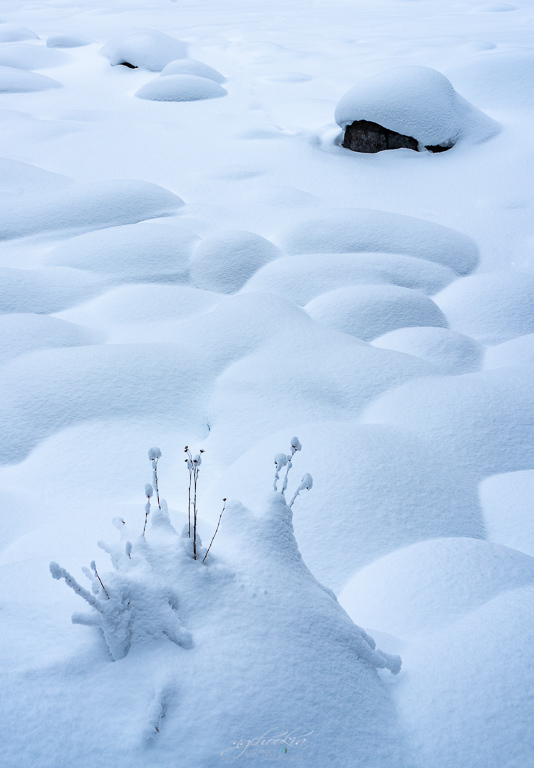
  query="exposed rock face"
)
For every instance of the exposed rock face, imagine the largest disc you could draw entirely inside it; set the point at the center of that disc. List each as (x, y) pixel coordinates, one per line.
(368, 137)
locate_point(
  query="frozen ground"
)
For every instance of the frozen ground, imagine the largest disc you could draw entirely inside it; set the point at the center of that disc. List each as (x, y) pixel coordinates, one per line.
(188, 256)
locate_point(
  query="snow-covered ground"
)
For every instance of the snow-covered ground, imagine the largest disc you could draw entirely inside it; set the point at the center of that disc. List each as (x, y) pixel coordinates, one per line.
(190, 257)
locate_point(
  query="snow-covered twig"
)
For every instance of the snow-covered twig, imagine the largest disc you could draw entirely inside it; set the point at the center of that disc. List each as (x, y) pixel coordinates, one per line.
(60, 573)
(295, 446)
(215, 534)
(148, 493)
(306, 484)
(154, 454)
(93, 568)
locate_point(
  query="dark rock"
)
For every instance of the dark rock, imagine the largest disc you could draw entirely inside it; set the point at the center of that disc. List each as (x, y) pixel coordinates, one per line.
(368, 137)
(438, 147)
(127, 64)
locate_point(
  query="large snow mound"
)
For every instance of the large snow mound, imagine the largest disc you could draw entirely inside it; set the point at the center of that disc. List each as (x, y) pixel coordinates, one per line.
(144, 48)
(392, 593)
(30, 56)
(493, 307)
(357, 229)
(68, 41)
(368, 311)
(488, 661)
(21, 333)
(225, 260)
(192, 67)
(507, 505)
(396, 489)
(181, 88)
(13, 80)
(302, 278)
(414, 101)
(85, 207)
(43, 291)
(485, 419)
(130, 252)
(518, 351)
(11, 33)
(449, 351)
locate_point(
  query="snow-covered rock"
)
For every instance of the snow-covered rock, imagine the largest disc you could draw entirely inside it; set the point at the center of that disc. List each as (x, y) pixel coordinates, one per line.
(29, 56)
(192, 67)
(224, 261)
(416, 102)
(352, 230)
(181, 88)
(368, 311)
(11, 33)
(144, 48)
(492, 307)
(449, 351)
(68, 41)
(14, 80)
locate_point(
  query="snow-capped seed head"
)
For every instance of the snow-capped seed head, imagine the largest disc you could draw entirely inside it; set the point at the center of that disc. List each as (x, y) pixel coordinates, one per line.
(128, 548)
(154, 453)
(55, 570)
(307, 483)
(148, 490)
(201, 450)
(295, 443)
(280, 460)
(198, 459)
(93, 565)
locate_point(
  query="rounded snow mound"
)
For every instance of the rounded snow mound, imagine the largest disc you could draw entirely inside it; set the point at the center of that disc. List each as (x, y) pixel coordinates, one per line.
(68, 41)
(11, 33)
(29, 56)
(518, 351)
(449, 351)
(224, 261)
(414, 101)
(506, 501)
(351, 230)
(13, 80)
(368, 311)
(22, 333)
(45, 290)
(144, 48)
(302, 278)
(393, 594)
(180, 88)
(192, 67)
(493, 307)
(135, 251)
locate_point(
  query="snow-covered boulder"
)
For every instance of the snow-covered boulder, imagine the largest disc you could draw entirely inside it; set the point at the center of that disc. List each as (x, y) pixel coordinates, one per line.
(68, 41)
(29, 56)
(225, 260)
(192, 67)
(368, 311)
(10, 33)
(14, 80)
(181, 88)
(413, 107)
(144, 48)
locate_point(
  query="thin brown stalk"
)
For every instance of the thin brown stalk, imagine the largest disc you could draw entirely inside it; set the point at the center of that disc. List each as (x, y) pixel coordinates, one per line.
(215, 534)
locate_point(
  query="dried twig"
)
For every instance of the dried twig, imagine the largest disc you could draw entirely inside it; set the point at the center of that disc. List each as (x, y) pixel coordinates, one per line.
(215, 534)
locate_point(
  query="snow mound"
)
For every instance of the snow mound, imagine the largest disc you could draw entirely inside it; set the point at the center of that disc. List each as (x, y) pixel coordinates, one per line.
(142, 303)
(29, 56)
(484, 698)
(130, 252)
(22, 333)
(225, 260)
(390, 489)
(180, 88)
(144, 48)
(43, 291)
(418, 102)
(11, 33)
(22, 178)
(302, 278)
(492, 307)
(500, 80)
(485, 419)
(86, 207)
(395, 595)
(68, 41)
(14, 80)
(192, 67)
(518, 351)
(507, 505)
(358, 229)
(368, 311)
(449, 351)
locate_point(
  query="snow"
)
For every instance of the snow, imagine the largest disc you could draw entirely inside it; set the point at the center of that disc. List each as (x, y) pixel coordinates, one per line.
(351, 231)
(418, 102)
(225, 260)
(181, 88)
(223, 274)
(192, 67)
(144, 48)
(369, 311)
